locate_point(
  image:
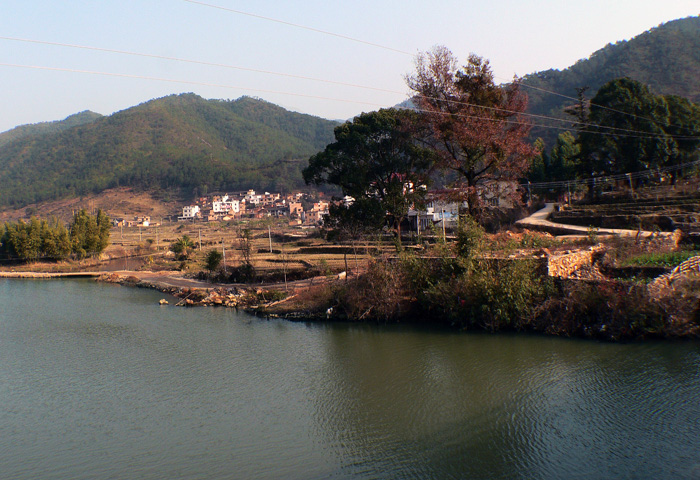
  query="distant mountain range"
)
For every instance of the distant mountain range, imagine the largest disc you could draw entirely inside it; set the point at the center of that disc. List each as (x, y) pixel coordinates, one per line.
(187, 144)
(181, 143)
(667, 58)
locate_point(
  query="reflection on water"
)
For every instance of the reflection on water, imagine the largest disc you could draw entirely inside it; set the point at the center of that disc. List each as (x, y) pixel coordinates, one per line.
(100, 381)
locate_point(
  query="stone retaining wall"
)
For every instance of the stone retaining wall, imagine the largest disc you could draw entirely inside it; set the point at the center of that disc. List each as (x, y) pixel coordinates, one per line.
(663, 282)
(564, 266)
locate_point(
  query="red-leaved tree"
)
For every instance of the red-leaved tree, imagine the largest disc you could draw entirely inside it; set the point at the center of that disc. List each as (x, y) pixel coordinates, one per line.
(477, 127)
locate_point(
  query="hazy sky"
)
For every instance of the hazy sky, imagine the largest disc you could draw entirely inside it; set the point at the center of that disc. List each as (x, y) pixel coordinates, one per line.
(517, 36)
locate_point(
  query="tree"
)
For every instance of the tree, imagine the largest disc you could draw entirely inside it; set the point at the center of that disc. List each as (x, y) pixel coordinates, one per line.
(103, 227)
(89, 235)
(475, 124)
(684, 127)
(628, 132)
(213, 260)
(245, 246)
(182, 247)
(36, 239)
(377, 160)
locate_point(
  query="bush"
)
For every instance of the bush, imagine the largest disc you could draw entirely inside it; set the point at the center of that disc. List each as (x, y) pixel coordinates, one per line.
(470, 237)
(379, 294)
(609, 309)
(213, 260)
(492, 295)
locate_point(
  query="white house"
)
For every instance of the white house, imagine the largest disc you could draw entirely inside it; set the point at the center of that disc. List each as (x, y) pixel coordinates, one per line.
(252, 198)
(438, 212)
(226, 205)
(189, 212)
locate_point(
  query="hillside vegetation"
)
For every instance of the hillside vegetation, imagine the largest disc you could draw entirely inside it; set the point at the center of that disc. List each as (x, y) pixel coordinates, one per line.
(180, 142)
(666, 58)
(45, 128)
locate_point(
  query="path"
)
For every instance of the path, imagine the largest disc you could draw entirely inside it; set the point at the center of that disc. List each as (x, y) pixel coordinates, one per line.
(538, 221)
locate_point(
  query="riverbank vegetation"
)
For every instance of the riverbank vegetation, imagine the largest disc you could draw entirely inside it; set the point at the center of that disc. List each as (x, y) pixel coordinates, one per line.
(479, 139)
(461, 286)
(51, 240)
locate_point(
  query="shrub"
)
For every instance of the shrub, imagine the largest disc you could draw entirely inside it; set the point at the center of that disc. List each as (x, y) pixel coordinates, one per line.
(492, 295)
(609, 309)
(379, 294)
(470, 237)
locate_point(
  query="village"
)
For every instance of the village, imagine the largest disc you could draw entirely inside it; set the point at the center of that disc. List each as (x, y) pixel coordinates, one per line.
(307, 210)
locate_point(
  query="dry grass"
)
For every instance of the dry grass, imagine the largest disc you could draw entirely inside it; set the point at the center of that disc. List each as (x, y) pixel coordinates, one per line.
(117, 202)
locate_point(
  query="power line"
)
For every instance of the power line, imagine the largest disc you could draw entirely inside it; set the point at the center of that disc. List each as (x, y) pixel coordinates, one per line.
(345, 37)
(296, 25)
(591, 104)
(197, 62)
(187, 82)
(318, 97)
(606, 129)
(267, 72)
(608, 178)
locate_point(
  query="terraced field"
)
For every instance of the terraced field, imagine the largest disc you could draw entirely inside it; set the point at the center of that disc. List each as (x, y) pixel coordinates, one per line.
(651, 209)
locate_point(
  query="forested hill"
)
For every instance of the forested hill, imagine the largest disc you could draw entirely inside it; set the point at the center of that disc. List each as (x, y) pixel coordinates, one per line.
(48, 127)
(667, 58)
(180, 143)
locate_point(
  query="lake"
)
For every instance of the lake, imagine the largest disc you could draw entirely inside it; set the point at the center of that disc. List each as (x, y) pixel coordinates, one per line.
(99, 381)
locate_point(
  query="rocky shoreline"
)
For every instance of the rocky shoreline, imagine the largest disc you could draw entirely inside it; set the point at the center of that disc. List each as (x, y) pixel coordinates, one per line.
(249, 299)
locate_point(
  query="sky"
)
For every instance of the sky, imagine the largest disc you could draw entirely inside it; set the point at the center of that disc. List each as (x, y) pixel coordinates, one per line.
(329, 58)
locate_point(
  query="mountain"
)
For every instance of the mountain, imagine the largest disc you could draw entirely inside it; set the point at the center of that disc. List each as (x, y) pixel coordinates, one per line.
(44, 128)
(667, 58)
(180, 142)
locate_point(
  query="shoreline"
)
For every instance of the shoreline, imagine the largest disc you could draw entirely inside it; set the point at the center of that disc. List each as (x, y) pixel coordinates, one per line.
(50, 274)
(300, 302)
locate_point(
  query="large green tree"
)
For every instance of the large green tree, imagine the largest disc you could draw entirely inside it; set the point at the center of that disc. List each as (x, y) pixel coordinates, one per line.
(627, 131)
(376, 159)
(476, 125)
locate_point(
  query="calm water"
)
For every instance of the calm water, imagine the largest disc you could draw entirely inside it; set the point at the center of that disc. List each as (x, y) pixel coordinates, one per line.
(99, 381)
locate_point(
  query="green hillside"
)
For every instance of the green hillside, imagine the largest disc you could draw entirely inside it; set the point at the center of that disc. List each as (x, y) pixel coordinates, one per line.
(183, 143)
(667, 58)
(45, 128)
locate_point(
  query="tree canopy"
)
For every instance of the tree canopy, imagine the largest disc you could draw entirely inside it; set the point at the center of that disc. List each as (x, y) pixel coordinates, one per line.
(476, 126)
(40, 239)
(632, 129)
(376, 159)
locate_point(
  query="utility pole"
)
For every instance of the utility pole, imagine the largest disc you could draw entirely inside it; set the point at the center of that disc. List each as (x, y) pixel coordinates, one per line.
(156, 239)
(269, 236)
(200, 239)
(444, 235)
(223, 249)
